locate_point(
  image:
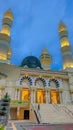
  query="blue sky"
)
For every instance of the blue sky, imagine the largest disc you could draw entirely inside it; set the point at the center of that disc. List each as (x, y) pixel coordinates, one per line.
(35, 27)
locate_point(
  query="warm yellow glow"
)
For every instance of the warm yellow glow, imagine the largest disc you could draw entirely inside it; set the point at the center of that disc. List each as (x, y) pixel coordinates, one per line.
(68, 66)
(6, 31)
(54, 97)
(40, 96)
(8, 15)
(46, 61)
(45, 51)
(25, 94)
(9, 52)
(3, 57)
(40, 76)
(62, 28)
(65, 43)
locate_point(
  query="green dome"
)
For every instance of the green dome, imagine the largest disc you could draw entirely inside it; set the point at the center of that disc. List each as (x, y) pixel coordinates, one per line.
(31, 62)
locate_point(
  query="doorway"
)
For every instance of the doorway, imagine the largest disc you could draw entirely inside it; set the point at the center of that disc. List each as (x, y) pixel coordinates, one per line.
(26, 114)
(54, 96)
(25, 95)
(40, 96)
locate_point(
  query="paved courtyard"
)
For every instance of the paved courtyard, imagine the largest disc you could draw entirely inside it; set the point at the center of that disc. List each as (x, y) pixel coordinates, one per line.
(31, 126)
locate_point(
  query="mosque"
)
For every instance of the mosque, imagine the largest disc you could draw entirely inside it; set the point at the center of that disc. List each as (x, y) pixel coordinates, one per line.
(37, 93)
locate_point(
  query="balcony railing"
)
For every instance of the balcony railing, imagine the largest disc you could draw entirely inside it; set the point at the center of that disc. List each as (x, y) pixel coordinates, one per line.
(17, 103)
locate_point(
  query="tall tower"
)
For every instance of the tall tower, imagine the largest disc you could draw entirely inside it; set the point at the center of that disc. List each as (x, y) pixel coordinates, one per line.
(45, 59)
(5, 50)
(65, 47)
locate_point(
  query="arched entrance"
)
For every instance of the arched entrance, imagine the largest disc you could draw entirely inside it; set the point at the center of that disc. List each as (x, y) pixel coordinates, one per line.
(40, 90)
(54, 93)
(25, 95)
(54, 97)
(40, 96)
(26, 83)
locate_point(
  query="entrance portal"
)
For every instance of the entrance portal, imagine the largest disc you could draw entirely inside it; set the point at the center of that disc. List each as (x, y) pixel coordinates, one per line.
(40, 96)
(55, 99)
(26, 114)
(25, 94)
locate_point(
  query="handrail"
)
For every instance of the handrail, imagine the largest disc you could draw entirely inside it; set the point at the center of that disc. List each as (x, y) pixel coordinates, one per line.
(37, 114)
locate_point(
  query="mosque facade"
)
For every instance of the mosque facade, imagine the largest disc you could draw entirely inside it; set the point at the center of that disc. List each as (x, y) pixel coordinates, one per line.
(34, 84)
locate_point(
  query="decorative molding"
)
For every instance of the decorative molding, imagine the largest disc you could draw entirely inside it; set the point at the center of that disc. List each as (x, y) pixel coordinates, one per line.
(2, 89)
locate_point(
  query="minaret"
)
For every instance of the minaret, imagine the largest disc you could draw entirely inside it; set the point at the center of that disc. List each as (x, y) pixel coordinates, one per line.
(65, 47)
(5, 50)
(45, 59)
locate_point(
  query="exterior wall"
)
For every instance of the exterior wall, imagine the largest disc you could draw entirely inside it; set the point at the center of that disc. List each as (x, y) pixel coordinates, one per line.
(11, 92)
(15, 89)
(65, 96)
(71, 84)
(66, 92)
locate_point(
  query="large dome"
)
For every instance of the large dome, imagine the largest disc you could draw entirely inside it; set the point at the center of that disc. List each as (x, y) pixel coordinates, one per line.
(31, 62)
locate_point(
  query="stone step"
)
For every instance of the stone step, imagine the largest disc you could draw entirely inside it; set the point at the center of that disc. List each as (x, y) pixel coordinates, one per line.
(56, 113)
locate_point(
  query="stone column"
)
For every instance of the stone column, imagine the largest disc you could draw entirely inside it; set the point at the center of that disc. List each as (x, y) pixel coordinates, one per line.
(48, 96)
(18, 94)
(2, 91)
(32, 96)
(60, 95)
(18, 113)
(15, 94)
(0, 94)
(34, 92)
(21, 94)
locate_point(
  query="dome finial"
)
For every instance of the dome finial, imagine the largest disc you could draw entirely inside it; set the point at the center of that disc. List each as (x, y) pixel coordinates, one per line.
(61, 23)
(62, 26)
(9, 14)
(30, 53)
(9, 10)
(45, 51)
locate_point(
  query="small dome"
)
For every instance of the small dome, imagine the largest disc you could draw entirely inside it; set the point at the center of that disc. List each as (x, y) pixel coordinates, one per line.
(45, 54)
(31, 62)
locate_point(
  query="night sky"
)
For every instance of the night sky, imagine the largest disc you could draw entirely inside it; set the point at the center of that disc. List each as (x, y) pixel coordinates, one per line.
(35, 27)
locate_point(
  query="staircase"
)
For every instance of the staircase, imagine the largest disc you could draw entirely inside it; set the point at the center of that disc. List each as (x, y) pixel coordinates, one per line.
(34, 114)
(37, 117)
(52, 113)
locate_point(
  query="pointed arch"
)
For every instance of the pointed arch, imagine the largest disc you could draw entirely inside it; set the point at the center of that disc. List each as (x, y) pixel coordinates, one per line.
(26, 78)
(41, 80)
(55, 81)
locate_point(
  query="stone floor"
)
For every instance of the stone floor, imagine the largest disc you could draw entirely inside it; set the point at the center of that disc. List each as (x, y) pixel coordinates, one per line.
(30, 126)
(49, 127)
